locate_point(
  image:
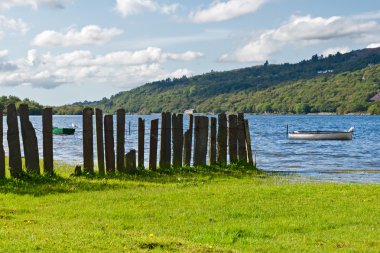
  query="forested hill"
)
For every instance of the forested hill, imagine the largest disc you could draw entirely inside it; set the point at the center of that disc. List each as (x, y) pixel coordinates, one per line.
(254, 89)
(34, 107)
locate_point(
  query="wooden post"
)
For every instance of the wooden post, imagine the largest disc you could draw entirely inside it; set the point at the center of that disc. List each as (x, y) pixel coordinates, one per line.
(130, 161)
(153, 144)
(32, 160)
(200, 140)
(109, 143)
(248, 142)
(241, 144)
(187, 141)
(47, 142)
(141, 142)
(168, 138)
(15, 163)
(88, 142)
(2, 153)
(165, 143)
(212, 141)
(120, 140)
(177, 123)
(162, 140)
(99, 140)
(232, 137)
(222, 139)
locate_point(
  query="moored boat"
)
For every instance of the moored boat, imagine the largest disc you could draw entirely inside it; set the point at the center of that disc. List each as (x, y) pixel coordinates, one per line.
(63, 130)
(321, 135)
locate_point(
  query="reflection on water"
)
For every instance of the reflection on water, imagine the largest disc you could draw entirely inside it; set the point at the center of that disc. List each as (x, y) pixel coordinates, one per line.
(274, 151)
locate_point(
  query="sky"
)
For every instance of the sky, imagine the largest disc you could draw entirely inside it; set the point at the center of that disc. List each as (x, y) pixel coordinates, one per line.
(63, 51)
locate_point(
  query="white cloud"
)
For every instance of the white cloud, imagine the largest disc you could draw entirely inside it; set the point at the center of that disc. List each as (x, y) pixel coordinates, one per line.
(301, 31)
(3, 53)
(88, 35)
(221, 11)
(9, 25)
(125, 69)
(132, 7)
(334, 50)
(149, 55)
(373, 45)
(8, 4)
(169, 8)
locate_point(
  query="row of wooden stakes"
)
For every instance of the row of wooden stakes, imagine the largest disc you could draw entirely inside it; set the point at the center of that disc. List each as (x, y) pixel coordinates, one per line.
(30, 143)
(211, 135)
(175, 144)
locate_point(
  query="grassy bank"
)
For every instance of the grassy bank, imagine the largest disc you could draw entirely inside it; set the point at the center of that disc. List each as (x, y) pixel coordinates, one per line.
(207, 210)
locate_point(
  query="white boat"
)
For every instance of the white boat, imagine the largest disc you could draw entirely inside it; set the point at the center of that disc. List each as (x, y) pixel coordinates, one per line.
(321, 135)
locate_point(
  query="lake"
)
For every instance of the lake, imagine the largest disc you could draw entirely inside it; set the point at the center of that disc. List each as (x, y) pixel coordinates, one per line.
(338, 161)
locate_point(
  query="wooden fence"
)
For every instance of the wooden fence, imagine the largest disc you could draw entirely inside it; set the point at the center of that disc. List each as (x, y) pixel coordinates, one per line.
(212, 136)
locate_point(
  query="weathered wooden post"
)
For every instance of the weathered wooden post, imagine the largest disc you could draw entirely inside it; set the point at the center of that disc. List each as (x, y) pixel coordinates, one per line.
(200, 140)
(248, 142)
(29, 142)
(232, 137)
(47, 140)
(168, 138)
(99, 140)
(222, 139)
(120, 140)
(2, 153)
(162, 140)
(130, 161)
(153, 144)
(165, 143)
(14, 160)
(212, 142)
(109, 143)
(141, 142)
(88, 142)
(241, 144)
(177, 123)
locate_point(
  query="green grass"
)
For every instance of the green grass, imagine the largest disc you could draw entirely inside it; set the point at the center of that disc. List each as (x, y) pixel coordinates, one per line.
(188, 210)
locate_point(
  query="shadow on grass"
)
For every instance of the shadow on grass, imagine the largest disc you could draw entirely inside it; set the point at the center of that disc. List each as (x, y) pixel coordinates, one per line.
(40, 185)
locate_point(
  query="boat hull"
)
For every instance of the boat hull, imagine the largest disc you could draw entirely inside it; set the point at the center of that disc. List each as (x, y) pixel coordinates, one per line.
(66, 131)
(344, 136)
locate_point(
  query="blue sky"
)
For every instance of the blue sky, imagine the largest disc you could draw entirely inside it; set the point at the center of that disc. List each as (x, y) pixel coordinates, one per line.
(64, 51)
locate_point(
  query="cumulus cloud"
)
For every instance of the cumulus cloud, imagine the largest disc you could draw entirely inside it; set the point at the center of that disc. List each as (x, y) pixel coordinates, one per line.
(221, 11)
(373, 45)
(58, 4)
(335, 50)
(9, 25)
(149, 55)
(3, 53)
(126, 69)
(88, 35)
(169, 8)
(300, 31)
(132, 7)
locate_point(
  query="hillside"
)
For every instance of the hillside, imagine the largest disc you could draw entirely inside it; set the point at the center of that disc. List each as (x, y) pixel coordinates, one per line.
(333, 84)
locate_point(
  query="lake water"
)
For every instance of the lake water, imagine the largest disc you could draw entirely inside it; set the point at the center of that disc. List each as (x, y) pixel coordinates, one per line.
(356, 161)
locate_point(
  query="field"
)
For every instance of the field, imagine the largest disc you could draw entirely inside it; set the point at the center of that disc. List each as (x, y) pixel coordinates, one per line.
(188, 210)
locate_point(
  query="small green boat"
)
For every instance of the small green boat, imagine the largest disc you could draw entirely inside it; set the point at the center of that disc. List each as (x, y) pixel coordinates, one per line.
(66, 131)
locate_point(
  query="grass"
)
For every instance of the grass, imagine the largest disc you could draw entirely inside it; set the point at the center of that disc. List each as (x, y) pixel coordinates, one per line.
(186, 210)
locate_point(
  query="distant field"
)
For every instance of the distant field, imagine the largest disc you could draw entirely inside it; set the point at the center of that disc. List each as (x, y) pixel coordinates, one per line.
(207, 210)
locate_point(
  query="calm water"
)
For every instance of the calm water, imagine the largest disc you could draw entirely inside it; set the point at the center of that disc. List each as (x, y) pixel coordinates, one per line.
(318, 160)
